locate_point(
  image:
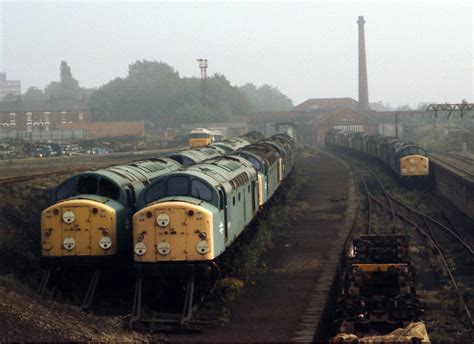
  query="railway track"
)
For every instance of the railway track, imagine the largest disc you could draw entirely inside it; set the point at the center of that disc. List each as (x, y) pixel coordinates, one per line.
(27, 177)
(453, 249)
(452, 160)
(458, 156)
(107, 161)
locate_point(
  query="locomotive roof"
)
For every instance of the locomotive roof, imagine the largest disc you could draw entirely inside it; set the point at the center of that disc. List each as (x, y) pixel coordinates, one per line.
(198, 154)
(264, 150)
(136, 174)
(228, 171)
(217, 171)
(232, 144)
(200, 130)
(222, 170)
(253, 136)
(283, 139)
(395, 143)
(280, 147)
(138, 171)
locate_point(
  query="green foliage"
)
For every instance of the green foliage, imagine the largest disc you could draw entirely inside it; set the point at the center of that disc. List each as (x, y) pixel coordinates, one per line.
(10, 98)
(266, 98)
(67, 87)
(154, 91)
(33, 94)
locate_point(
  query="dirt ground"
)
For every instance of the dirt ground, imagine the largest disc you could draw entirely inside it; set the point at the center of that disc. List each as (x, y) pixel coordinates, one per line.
(24, 316)
(279, 305)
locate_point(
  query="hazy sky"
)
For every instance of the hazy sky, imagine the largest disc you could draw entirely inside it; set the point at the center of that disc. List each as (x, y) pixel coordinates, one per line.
(417, 51)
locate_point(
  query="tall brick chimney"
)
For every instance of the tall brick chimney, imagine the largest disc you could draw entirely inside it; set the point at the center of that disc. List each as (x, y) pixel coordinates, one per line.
(363, 88)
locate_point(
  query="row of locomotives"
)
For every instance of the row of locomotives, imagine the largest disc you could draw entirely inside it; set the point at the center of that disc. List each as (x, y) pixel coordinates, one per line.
(190, 157)
(378, 300)
(189, 218)
(88, 225)
(201, 137)
(407, 160)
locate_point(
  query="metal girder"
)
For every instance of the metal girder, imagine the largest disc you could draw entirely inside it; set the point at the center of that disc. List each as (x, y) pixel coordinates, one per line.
(450, 108)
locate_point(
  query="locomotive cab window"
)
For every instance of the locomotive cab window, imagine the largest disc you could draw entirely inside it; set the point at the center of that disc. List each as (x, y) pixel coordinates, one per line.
(413, 150)
(201, 191)
(155, 192)
(199, 136)
(66, 189)
(108, 189)
(178, 186)
(87, 185)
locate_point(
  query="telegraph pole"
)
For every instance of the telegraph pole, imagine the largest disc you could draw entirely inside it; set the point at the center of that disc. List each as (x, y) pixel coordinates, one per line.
(203, 68)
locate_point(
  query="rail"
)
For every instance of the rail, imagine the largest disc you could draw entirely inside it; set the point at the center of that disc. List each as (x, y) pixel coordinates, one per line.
(442, 158)
(411, 216)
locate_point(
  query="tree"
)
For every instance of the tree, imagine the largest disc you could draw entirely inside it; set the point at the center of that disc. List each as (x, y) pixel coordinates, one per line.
(67, 87)
(10, 98)
(154, 91)
(66, 79)
(405, 107)
(266, 98)
(33, 94)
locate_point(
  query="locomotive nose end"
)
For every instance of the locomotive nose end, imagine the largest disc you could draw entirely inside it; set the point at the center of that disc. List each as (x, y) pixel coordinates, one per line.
(78, 228)
(173, 231)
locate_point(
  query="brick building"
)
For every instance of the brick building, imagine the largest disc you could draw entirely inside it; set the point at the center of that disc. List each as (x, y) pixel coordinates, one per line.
(313, 117)
(316, 104)
(42, 115)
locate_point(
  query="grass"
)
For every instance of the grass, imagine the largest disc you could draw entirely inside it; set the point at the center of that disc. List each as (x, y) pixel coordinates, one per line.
(445, 317)
(21, 205)
(244, 258)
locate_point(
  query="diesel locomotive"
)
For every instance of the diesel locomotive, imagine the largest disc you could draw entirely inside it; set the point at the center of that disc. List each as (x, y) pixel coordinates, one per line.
(90, 211)
(89, 220)
(191, 216)
(195, 213)
(407, 160)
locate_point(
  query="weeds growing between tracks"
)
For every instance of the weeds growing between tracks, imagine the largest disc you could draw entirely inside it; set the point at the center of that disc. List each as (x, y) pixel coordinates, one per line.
(445, 315)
